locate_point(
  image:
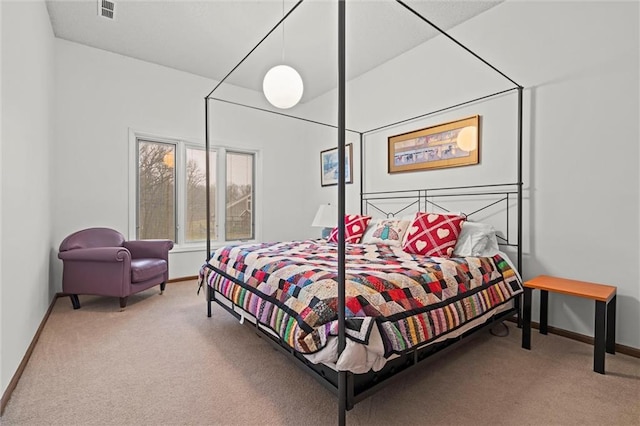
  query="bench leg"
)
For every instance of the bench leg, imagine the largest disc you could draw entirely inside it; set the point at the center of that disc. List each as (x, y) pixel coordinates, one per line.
(526, 319)
(544, 311)
(611, 326)
(599, 338)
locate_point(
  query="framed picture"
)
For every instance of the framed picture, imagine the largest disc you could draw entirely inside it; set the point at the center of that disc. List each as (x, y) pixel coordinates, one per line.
(451, 144)
(329, 166)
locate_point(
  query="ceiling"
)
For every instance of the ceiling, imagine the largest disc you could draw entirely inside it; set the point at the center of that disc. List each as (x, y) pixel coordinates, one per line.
(209, 38)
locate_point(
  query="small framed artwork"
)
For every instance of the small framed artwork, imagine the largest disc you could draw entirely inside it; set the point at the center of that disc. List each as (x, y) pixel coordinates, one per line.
(451, 144)
(329, 166)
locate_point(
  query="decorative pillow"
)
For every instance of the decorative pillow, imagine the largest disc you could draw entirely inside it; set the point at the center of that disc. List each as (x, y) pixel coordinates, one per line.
(412, 217)
(386, 231)
(473, 239)
(354, 227)
(433, 234)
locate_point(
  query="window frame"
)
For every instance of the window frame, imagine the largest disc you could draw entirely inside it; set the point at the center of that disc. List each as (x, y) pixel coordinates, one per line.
(253, 190)
(181, 145)
(176, 182)
(183, 192)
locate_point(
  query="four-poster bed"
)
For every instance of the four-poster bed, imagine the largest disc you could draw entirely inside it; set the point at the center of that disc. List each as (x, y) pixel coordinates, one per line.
(395, 308)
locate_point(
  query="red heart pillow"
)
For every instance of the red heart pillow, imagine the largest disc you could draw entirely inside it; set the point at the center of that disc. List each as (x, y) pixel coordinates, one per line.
(354, 227)
(432, 234)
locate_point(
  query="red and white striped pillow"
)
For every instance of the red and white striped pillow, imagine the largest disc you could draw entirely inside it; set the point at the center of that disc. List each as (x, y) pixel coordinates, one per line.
(354, 227)
(432, 234)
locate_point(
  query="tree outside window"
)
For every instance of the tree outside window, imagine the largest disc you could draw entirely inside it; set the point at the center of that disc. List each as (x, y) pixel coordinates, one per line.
(156, 190)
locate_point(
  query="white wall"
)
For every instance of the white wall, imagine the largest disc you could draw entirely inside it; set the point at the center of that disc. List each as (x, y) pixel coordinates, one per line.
(579, 66)
(27, 94)
(581, 75)
(102, 95)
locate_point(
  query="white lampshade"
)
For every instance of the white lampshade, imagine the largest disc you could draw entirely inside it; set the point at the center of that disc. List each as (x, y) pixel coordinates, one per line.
(326, 216)
(282, 86)
(468, 138)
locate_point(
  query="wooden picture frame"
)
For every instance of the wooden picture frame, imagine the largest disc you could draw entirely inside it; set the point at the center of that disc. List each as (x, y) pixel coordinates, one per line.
(329, 166)
(452, 144)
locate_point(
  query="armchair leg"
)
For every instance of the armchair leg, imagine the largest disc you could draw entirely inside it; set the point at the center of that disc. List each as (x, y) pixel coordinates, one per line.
(75, 302)
(162, 286)
(123, 302)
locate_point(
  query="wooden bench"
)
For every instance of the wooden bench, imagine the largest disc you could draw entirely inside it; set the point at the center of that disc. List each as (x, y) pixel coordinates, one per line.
(605, 322)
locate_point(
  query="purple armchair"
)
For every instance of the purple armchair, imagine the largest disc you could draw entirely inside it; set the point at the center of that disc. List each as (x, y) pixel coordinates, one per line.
(99, 261)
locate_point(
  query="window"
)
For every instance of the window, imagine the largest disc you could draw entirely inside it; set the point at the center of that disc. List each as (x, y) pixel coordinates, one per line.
(170, 192)
(239, 206)
(196, 200)
(156, 190)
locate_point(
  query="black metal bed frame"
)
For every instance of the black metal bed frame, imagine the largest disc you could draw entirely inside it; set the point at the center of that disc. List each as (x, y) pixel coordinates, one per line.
(351, 388)
(425, 200)
(358, 386)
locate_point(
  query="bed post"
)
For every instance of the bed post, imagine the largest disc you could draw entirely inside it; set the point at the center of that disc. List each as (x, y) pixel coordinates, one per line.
(520, 179)
(361, 171)
(518, 300)
(207, 172)
(342, 375)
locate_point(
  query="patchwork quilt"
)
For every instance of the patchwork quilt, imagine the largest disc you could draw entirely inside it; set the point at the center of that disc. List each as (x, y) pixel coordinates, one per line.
(291, 288)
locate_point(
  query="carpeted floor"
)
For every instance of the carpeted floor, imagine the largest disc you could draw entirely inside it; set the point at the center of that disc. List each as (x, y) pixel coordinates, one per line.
(163, 362)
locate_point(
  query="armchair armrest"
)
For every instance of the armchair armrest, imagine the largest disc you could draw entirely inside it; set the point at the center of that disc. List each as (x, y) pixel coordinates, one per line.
(98, 254)
(149, 248)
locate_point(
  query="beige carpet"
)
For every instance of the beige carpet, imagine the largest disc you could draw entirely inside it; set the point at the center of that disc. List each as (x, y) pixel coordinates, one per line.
(163, 362)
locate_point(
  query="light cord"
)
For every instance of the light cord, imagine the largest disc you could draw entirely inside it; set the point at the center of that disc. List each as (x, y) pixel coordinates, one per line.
(283, 32)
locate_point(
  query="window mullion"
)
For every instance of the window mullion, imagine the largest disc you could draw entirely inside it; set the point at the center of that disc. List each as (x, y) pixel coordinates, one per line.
(221, 195)
(180, 171)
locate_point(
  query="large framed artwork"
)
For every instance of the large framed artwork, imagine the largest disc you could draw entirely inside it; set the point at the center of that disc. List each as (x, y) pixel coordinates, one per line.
(329, 166)
(452, 144)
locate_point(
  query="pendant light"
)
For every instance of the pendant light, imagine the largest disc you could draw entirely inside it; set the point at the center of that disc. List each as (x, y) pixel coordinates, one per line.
(282, 85)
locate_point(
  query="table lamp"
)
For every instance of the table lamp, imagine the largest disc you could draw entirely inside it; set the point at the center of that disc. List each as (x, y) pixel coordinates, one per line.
(326, 218)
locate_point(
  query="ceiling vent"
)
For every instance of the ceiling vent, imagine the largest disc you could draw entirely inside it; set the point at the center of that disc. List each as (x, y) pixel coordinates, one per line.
(106, 9)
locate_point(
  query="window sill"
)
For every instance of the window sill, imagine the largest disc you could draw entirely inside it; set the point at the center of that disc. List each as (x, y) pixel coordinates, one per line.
(193, 248)
(188, 248)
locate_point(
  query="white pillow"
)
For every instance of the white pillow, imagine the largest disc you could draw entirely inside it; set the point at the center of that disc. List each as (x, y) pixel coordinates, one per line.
(386, 231)
(476, 240)
(492, 248)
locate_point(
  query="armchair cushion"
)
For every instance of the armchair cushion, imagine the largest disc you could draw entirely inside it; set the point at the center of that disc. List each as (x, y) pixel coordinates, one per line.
(145, 269)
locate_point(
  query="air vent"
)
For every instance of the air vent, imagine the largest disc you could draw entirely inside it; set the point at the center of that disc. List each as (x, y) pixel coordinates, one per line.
(106, 9)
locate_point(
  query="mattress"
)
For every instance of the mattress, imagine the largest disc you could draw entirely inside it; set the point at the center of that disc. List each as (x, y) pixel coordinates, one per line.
(394, 301)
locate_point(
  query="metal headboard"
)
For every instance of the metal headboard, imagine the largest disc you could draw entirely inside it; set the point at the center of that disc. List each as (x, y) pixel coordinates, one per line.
(497, 200)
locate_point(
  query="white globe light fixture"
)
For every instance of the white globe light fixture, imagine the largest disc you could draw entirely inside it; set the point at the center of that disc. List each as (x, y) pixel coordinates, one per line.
(282, 86)
(468, 138)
